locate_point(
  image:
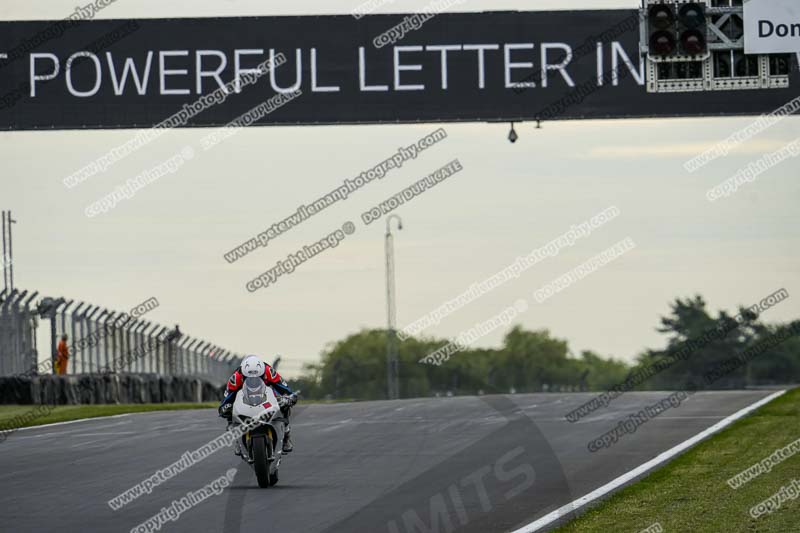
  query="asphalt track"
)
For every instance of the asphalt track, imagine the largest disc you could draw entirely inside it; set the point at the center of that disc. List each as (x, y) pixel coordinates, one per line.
(468, 464)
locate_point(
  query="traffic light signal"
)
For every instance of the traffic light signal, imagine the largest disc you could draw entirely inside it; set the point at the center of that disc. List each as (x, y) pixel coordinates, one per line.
(698, 45)
(677, 31)
(661, 21)
(693, 28)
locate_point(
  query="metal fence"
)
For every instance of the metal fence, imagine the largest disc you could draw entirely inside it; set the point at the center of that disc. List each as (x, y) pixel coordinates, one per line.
(102, 340)
(18, 322)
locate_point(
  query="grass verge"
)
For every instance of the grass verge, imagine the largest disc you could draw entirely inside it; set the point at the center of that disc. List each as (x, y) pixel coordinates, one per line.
(18, 416)
(692, 494)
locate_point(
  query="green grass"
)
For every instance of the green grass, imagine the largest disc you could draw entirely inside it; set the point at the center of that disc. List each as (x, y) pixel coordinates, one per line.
(691, 493)
(63, 413)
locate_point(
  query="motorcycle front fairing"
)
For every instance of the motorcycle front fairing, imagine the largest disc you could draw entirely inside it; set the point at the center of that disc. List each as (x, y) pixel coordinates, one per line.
(257, 401)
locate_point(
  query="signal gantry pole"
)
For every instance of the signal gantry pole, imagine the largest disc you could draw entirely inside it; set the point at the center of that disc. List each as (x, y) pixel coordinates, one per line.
(392, 370)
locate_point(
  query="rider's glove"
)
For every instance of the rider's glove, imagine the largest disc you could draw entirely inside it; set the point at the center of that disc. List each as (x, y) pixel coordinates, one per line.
(292, 399)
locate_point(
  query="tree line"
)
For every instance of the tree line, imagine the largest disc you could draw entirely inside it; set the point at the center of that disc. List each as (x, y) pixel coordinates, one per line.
(697, 346)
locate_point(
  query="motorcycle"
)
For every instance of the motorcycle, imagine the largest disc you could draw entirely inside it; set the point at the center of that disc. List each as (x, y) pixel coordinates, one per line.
(258, 417)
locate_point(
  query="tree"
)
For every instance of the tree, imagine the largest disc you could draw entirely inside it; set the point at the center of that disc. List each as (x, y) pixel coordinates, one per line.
(532, 361)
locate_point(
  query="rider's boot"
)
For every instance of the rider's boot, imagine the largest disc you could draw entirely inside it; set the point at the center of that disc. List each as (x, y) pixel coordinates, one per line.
(237, 447)
(288, 446)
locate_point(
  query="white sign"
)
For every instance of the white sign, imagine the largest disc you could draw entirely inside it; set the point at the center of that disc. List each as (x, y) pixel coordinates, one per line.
(771, 26)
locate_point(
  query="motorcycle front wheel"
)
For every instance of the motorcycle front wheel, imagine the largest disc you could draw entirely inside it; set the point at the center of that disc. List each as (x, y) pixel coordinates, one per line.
(260, 464)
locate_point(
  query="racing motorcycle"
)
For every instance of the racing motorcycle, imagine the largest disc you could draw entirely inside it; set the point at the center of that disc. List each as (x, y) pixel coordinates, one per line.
(257, 415)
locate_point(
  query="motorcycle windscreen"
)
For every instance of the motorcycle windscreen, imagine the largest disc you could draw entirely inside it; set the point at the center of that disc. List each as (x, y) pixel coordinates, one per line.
(255, 391)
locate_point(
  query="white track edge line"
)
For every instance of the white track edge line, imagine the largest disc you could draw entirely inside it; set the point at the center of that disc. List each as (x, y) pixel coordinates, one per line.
(641, 469)
(64, 423)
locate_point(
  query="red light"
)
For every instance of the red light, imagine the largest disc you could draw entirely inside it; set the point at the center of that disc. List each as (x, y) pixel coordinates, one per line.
(662, 43)
(693, 42)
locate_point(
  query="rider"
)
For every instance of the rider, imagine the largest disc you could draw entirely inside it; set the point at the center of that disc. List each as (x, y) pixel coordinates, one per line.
(253, 366)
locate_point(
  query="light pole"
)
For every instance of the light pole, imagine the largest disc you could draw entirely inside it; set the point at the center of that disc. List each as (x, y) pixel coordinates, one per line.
(392, 374)
(3, 258)
(8, 252)
(11, 222)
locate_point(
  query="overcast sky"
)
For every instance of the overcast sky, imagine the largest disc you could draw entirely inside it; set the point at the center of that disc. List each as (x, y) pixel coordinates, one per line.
(168, 241)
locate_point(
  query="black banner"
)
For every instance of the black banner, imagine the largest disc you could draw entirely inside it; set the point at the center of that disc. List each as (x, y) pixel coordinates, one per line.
(492, 66)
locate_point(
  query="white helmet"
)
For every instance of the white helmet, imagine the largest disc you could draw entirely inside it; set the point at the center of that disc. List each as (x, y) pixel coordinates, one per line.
(252, 367)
